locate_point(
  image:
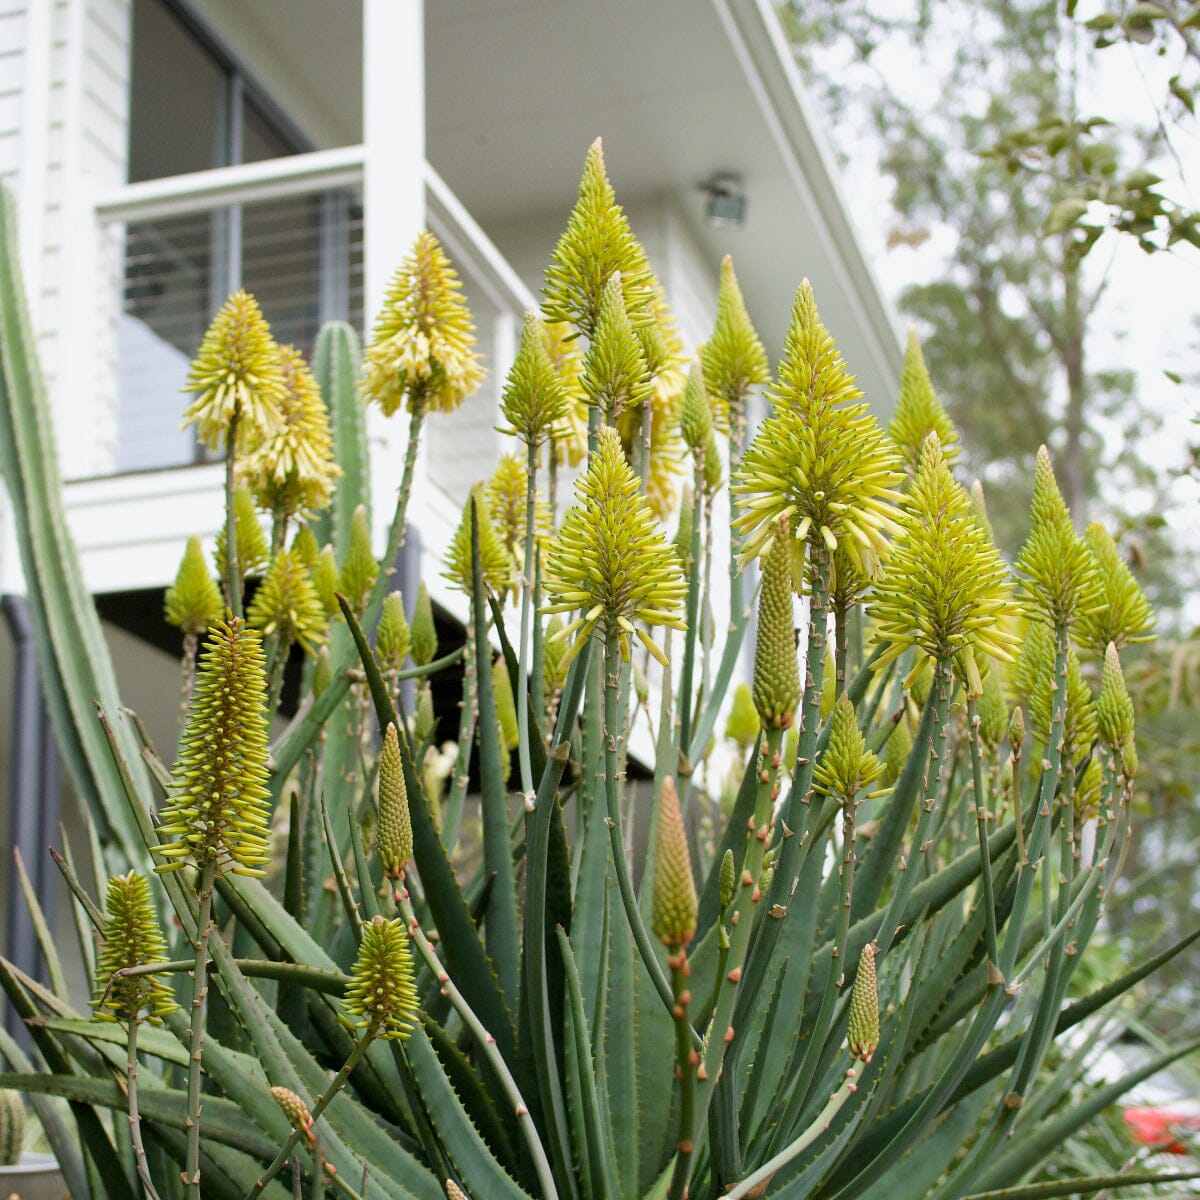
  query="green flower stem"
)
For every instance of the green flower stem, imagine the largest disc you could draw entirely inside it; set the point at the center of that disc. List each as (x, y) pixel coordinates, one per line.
(799, 1144)
(685, 1072)
(396, 533)
(981, 820)
(338, 1082)
(737, 446)
(612, 791)
(135, 1118)
(520, 686)
(208, 873)
(841, 645)
(485, 1041)
(690, 638)
(187, 674)
(233, 572)
(1018, 818)
(317, 979)
(706, 602)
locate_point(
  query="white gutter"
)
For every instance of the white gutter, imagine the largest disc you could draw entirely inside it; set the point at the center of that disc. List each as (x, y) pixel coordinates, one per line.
(762, 50)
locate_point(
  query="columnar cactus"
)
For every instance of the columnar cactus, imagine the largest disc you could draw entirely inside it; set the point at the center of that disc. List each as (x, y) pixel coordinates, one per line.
(12, 1126)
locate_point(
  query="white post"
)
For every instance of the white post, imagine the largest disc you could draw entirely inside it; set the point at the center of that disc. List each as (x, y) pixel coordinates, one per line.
(393, 196)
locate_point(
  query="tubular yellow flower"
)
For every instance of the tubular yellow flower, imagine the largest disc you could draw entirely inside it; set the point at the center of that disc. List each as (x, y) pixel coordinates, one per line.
(1057, 569)
(776, 687)
(422, 350)
(132, 938)
(615, 376)
(287, 606)
(596, 243)
(394, 843)
(217, 809)
(919, 412)
(535, 398)
(609, 560)
(236, 374)
(944, 589)
(495, 562)
(821, 459)
(847, 766)
(382, 990)
(733, 357)
(1123, 614)
(293, 471)
(193, 602)
(673, 915)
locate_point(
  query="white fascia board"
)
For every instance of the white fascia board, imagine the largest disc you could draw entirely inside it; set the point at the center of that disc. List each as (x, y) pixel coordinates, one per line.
(759, 42)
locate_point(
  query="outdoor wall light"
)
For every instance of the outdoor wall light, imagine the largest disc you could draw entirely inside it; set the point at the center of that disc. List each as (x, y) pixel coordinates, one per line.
(725, 203)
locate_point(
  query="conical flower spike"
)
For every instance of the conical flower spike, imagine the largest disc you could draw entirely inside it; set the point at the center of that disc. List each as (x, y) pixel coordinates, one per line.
(1123, 614)
(1036, 683)
(993, 711)
(673, 917)
(944, 589)
(454, 1192)
(293, 471)
(896, 752)
(252, 549)
(1016, 730)
(742, 725)
(193, 602)
(847, 766)
(495, 561)
(422, 350)
(609, 559)
(863, 1032)
(507, 496)
(360, 568)
(132, 938)
(695, 420)
(615, 377)
(236, 374)
(423, 630)
(296, 1111)
(726, 880)
(287, 606)
(382, 990)
(1087, 791)
(217, 810)
(1114, 708)
(919, 412)
(821, 459)
(506, 707)
(535, 398)
(325, 580)
(1059, 573)
(596, 243)
(776, 688)
(733, 357)
(393, 639)
(394, 843)
(304, 546)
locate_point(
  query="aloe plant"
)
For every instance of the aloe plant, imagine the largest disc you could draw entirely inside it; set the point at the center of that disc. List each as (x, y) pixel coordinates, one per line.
(842, 976)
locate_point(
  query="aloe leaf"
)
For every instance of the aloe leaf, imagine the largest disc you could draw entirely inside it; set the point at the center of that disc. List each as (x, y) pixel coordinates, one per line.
(465, 956)
(624, 1102)
(1084, 1185)
(503, 927)
(45, 940)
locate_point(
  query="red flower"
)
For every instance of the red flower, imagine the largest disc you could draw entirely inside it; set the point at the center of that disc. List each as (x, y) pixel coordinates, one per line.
(1158, 1127)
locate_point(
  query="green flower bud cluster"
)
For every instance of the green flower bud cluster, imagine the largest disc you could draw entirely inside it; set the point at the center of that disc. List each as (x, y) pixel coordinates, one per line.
(132, 938)
(382, 990)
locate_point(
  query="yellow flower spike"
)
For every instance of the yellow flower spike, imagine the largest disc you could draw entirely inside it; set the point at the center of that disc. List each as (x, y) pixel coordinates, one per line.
(568, 435)
(743, 723)
(394, 842)
(666, 460)
(896, 752)
(712, 464)
(776, 686)
(993, 711)
(733, 357)
(326, 582)
(944, 588)
(979, 504)
(507, 494)
(252, 549)
(393, 638)
(821, 458)
(1016, 730)
(609, 559)
(292, 470)
(535, 398)
(596, 243)
(422, 350)
(287, 606)
(1114, 708)
(132, 938)
(1087, 791)
(382, 990)
(847, 766)
(919, 412)
(683, 531)
(1036, 685)
(553, 655)
(506, 706)
(495, 561)
(695, 418)
(193, 602)
(614, 377)
(236, 374)
(1123, 614)
(1058, 571)
(673, 915)
(727, 880)
(217, 811)
(423, 631)
(304, 546)
(360, 568)
(863, 1032)
(847, 583)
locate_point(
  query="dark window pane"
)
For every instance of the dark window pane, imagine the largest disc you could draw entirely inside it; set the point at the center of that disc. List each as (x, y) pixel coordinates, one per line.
(175, 100)
(260, 139)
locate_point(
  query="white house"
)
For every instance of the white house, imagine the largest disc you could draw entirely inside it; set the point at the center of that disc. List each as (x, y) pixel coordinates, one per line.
(164, 152)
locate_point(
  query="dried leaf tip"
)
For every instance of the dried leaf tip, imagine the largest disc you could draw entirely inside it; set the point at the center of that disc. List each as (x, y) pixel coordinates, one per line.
(382, 991)
(674, 898)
